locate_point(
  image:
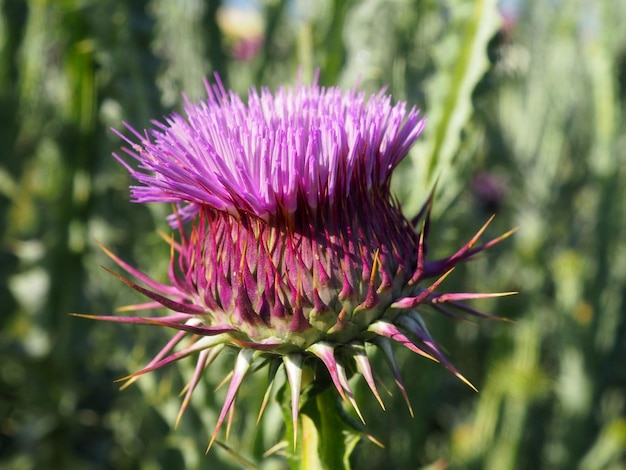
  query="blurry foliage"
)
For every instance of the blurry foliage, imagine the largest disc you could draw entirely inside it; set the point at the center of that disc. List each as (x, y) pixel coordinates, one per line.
(527, 114)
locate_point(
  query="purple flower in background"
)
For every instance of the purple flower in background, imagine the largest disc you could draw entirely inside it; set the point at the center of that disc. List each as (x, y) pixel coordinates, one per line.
(489, 190)
(291, 249)
(243, 29)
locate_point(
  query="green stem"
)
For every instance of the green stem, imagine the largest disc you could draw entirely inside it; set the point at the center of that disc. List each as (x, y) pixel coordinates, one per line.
(326, 439)
(309, 458)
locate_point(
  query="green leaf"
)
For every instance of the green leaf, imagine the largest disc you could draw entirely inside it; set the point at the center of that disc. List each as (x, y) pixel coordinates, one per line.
(460, 60)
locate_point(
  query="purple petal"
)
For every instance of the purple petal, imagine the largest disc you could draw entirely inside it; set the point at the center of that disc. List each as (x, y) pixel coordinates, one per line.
(343, 379)
(461, 296)
(171, 304)
(326, 353)
(293, 367)
(391, 331)
(204, 360)
(415, 325)
(412, 302)
(273, 368)
(384, 344)
(363, 365)
(205, 342)
(242, 364)
(147, 280)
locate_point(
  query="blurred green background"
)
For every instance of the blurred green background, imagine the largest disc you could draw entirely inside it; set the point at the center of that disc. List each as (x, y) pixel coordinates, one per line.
(526, 119)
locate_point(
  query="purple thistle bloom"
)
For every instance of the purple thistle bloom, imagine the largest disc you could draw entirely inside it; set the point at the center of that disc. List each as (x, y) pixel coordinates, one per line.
(296, 250)
(307, 144)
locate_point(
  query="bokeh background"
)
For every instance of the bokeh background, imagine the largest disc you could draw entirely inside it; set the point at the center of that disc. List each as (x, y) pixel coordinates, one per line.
(526, 120)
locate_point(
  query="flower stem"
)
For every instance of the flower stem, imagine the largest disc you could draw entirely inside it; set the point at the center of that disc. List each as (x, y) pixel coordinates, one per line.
(309, 458)
(326, 439)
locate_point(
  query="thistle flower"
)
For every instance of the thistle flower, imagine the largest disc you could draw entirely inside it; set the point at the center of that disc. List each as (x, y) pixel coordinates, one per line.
(291, 248)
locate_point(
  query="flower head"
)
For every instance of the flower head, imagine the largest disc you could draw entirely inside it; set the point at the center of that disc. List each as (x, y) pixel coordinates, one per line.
(303, 146)
(294, 250)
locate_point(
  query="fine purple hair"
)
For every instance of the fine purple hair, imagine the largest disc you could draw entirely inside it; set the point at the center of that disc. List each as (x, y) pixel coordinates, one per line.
(264, 156)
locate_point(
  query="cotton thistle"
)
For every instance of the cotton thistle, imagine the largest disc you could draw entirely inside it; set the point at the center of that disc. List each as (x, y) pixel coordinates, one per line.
(291, 248)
